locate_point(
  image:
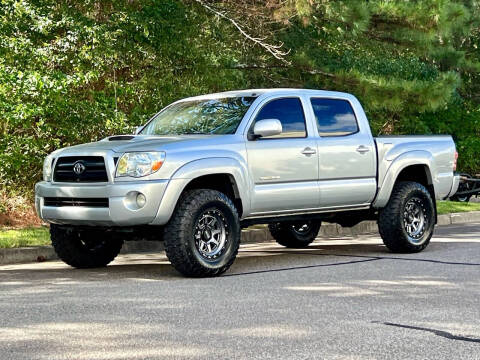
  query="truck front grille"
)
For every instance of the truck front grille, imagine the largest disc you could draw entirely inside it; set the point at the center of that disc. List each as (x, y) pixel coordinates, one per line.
(80, 169)
(87, 202)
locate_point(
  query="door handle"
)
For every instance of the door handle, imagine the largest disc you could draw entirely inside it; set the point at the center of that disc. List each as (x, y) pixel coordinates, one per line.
(362, 149)
(308, 151)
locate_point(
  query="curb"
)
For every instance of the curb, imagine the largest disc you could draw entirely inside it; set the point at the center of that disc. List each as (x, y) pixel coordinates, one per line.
(255, 234)
(27, 254)
(460, 218)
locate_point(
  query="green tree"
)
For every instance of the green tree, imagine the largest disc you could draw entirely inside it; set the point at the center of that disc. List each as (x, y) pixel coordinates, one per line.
(76, 71)
(413, 64)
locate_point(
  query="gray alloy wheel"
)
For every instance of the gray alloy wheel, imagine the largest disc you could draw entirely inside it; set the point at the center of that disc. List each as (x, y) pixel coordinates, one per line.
(406, 223)
(414, 220)
(203, 235)
(211, 234)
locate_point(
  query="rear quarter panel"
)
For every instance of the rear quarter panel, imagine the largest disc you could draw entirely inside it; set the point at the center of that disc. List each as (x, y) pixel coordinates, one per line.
(395, 153)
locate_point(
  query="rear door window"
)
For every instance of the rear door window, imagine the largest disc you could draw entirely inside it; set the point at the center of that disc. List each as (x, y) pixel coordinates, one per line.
(334, 117)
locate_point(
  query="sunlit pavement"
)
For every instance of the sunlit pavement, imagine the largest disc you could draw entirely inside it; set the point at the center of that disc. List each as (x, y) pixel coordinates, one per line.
(341, 298)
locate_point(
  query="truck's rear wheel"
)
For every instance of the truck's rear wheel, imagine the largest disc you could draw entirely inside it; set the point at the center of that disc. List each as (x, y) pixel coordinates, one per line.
(203, 235)
(297, 234)
(406, 224)
(82, 248)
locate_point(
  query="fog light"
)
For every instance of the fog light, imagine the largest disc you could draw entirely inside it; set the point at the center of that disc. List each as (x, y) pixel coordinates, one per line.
(141, 200)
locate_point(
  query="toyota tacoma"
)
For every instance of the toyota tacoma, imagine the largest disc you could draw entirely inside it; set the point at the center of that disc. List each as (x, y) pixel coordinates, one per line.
(205, 167)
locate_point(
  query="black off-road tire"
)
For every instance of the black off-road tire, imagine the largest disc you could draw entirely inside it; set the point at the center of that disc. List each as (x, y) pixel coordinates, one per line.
(392, 221)
(287, 233)
(179, 233)
(84, 249)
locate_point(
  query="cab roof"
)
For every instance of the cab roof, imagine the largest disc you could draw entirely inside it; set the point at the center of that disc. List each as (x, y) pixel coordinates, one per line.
(273, 91)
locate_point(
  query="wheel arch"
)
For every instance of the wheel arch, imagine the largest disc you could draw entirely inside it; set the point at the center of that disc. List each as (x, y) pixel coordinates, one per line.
(223, 182)
(227, 175)
(417, 166)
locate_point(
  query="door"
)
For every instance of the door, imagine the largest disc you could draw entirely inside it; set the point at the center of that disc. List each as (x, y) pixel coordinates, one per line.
(284, 167)
(347, 155)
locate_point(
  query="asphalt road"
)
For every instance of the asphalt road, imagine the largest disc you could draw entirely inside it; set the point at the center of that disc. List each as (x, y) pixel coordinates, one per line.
(339, 299)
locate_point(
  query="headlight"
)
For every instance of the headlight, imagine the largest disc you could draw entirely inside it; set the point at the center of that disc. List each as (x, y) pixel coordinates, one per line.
(138, 164)
(47, 168)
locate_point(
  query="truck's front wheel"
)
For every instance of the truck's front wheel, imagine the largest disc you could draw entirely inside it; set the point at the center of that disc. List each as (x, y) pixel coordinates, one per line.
(406, 223)
(203, 235)
(297, 234)
(82, 248)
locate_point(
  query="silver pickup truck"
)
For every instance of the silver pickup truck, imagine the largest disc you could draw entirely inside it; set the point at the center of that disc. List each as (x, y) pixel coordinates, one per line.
(206, 166)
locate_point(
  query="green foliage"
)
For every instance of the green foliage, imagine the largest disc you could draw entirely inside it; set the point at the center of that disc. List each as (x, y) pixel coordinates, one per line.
(413, 64)
(14, 238)
(72, 72)
(460, 118)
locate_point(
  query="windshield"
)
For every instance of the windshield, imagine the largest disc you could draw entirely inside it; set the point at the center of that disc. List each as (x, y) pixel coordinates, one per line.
(209, 116)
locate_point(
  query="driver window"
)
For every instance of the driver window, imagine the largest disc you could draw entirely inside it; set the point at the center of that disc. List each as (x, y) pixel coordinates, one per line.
(290, 113)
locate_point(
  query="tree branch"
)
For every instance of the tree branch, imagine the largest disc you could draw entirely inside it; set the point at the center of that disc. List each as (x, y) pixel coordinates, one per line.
(302, 69)
(275, 50)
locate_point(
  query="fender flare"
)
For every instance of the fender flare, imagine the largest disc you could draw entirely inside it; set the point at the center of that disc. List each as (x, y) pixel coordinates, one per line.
(415, 157)
(197, 168)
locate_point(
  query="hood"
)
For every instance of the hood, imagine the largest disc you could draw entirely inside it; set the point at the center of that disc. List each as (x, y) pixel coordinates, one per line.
(123, 143)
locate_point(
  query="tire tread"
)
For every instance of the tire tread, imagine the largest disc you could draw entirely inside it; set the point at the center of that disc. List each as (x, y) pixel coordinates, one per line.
(72, 254)
(389, 220)
(176, 231)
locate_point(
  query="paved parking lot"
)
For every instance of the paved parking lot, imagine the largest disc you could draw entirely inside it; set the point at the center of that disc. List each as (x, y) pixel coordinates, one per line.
(342, 298)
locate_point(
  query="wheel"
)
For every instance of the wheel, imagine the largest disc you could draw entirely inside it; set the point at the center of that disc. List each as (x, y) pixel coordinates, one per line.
(298, 234)
(406, 223)
(203, 235)
(465, 198)
(84, 249)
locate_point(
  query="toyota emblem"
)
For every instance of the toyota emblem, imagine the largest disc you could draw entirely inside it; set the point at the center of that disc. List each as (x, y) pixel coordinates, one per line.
(78, 168)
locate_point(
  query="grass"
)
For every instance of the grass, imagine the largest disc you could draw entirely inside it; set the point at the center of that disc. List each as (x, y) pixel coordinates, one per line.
(447, 207)
(12, 238)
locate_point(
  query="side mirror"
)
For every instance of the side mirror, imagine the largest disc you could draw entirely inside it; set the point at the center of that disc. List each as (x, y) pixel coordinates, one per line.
(138, 129)
(267, 127)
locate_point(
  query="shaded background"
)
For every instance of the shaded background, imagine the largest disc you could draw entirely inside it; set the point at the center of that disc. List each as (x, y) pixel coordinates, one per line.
(77, 71)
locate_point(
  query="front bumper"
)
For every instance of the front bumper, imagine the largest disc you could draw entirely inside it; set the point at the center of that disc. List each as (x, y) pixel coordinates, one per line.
(119, 212)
